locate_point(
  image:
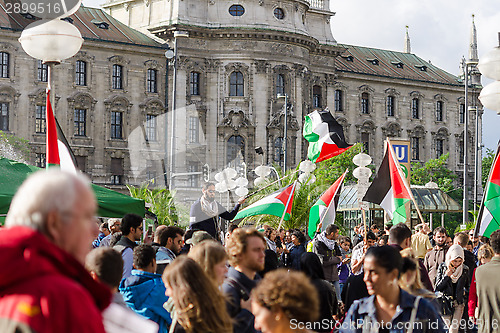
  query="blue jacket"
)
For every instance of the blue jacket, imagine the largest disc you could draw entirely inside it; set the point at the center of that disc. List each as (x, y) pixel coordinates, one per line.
(363, 311)
(293, 259)
(144, 293)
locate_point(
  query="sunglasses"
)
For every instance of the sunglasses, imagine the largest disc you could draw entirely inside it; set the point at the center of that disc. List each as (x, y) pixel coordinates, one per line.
(211, 191)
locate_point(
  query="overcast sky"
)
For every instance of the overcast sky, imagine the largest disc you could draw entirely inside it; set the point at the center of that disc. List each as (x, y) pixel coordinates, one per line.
(439, 32)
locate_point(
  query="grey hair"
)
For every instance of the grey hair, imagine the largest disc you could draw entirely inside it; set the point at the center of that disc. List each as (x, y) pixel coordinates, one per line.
(43, 192)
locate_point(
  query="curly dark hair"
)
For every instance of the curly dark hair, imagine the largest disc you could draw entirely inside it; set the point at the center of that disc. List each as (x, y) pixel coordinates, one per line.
(290, 292)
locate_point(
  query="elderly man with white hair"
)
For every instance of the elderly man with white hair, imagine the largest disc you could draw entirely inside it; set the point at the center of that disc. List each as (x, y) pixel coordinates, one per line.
(44, 286)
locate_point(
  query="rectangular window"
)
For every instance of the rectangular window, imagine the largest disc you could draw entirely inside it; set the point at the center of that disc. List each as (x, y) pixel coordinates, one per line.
(4, 64)
(439, 147)
(117, 82)
(193, 130)
(150, 127)
(390, 106)
(152, 81)
(461, 114)
(193, 179)
(80, 122)
(116, 171)
(365, 103)
(81, 73)
(439, 111)
(40, 160)
(4, 116)
(415, 149)
(150, 172)
(339, 100)
(236, 84)
(116, 125)
(461, 152)
(42, 71)
(40, 116)
(280, 84)
(365, 140)
(81, 162)
(317, 97)
(194, 84)
(415, 108)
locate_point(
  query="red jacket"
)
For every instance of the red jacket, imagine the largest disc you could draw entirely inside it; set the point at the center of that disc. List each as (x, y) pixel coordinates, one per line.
(44, 289)
(472, 296)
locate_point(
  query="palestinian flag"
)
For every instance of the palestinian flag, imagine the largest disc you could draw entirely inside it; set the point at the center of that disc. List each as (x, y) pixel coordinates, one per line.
(325, 208)
(274, 204)
(57, 147)
(389, 189)
(489, 213)
(325, 136)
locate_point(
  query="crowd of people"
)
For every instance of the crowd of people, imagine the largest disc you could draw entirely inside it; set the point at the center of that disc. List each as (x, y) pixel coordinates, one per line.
(251, 279)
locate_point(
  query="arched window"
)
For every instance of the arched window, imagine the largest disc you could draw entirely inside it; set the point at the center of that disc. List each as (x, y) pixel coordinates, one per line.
(278, 150)
(461, 113)
(280, 84)
(194, 83)
(4, 64)
(365, 140)
(235, 150)
(365, 103)
(236, 84)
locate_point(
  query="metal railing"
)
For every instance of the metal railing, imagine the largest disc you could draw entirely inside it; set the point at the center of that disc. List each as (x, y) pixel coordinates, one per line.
(317, 4)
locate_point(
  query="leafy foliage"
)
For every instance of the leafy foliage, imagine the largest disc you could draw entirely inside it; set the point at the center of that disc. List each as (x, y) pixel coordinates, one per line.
(434, 170)
(162, 204)
(306, 194)
(14, 148)
(486, 165)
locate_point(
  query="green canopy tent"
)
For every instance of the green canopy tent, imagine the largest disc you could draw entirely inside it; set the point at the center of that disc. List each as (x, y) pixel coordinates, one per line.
(111, 203)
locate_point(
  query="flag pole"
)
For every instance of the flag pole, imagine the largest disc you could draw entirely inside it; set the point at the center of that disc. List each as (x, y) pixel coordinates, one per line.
(287, 203)
(407, 185)
(364, 225)
(260, 189)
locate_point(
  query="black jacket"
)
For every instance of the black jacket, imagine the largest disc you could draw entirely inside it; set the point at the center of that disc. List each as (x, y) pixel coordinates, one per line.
(201, 221)
(329, 259)
(237, 287)
(458, 290)
(328, 306)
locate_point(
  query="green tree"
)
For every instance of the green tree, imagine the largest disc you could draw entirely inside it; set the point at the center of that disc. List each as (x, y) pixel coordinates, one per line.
(486, 165)
(14, 148)
(306, 194)
(162, 204)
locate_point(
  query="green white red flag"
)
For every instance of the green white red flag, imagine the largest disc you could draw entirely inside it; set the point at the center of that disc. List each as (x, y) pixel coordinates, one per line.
(275, 204)
(389, 189)
(489, 213)
(325, 136)
(325, 209)
(58, 152)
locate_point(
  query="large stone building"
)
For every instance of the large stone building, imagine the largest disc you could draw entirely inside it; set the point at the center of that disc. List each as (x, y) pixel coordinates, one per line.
(235, 61)
(109, 89)
(239, 56)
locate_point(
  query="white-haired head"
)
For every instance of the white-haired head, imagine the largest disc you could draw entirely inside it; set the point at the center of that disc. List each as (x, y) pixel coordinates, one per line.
(44, 192)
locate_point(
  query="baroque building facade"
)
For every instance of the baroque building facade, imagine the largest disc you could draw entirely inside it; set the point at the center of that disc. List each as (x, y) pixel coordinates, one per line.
(109, 89)
(240, 55)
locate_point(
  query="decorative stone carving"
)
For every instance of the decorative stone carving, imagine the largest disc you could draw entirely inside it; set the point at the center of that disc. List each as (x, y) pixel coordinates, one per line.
(235, 119)
(261, 66)
(9, 94)
(280, 48)
(392, 130)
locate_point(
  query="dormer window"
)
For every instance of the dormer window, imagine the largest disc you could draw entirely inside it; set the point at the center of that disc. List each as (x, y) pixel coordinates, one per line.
(422, 68)
(348, 58)
(28, 16)
(373, 61)
(101, 24)
(398, 64)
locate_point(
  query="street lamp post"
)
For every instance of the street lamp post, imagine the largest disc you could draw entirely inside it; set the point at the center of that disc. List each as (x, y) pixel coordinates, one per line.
(285, 131)
(465, 207)
(169, 54)
(177, 35)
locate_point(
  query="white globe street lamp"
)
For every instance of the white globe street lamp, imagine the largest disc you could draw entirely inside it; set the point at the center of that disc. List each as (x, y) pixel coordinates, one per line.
(489, 66)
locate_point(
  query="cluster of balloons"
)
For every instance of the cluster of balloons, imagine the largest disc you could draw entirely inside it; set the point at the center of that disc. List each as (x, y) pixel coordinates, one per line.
(307, 167)
(226, 181)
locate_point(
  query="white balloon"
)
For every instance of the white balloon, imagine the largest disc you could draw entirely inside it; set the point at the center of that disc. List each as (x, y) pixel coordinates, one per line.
(219, 176)
(229, 173)
(221, 187)
(241, 191)
(303, 177)
(231, 184)
(362, 172)
(242, 182)
(262, 170)
(259, 181)
(312, 179)
(307, 166)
